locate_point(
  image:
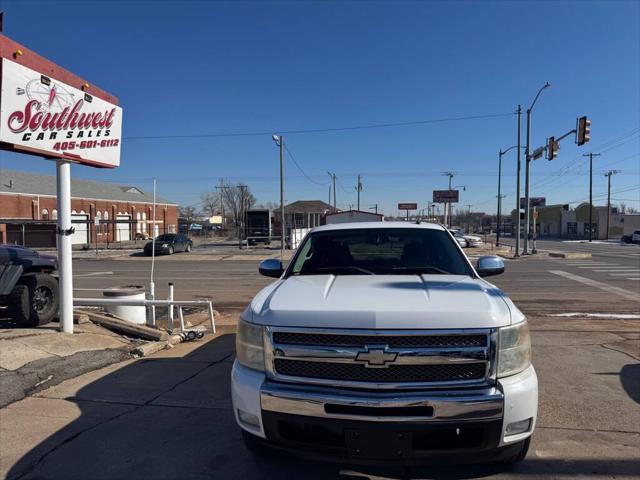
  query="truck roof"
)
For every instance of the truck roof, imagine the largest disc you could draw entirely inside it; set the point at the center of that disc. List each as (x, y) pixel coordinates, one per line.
(362, 225)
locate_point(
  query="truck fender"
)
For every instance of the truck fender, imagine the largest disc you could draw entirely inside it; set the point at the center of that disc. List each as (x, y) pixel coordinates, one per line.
(9, 276)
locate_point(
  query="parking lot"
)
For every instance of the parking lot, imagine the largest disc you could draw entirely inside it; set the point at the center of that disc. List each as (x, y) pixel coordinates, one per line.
(169, 415)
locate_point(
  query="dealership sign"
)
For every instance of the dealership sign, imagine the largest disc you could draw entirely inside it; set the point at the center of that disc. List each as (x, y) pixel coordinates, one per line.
(534, 202)
(446, 196)
(407, 206)
(43, 116)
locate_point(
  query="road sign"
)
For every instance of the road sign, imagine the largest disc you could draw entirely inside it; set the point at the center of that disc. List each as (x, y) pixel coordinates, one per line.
(534, 202)
(446, 196)
(537, 153)
(407, 206)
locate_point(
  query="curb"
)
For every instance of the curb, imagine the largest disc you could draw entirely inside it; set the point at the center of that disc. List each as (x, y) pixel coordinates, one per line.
(570, 255)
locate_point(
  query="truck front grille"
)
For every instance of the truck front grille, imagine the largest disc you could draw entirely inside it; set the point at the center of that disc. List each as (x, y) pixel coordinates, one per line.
(390, 359)
(394, 373)
(436, 341)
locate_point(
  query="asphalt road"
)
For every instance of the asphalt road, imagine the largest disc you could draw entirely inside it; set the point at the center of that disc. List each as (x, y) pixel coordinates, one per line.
(596, 248)
(537, 283)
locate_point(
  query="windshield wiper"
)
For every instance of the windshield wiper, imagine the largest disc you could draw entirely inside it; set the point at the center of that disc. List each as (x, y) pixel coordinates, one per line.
(424, 269)
(346, 267)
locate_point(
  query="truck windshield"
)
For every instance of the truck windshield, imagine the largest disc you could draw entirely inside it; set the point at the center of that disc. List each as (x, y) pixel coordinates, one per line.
(380, 251)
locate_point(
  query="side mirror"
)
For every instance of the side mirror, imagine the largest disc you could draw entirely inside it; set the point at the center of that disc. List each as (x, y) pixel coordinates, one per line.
(271, 268)
(488, 266)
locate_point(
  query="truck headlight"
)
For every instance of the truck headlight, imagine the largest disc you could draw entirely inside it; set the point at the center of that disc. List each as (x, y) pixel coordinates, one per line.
(249, 346)
(514, 352)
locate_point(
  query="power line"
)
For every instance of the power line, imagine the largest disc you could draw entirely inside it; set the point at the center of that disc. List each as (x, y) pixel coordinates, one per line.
(301, 170)
(321, 130)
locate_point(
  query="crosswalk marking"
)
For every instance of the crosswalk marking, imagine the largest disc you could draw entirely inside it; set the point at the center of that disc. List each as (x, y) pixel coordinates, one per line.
(615, 270)
(601, 285)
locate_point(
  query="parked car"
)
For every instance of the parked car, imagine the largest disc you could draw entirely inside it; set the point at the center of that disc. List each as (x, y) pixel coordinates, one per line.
(28, 285)
(626, 238)
(635, 238)
(459, 237)
(169, 243)
(380, 342)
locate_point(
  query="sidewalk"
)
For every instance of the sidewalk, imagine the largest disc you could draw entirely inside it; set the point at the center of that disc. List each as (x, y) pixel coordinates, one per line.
(32, 359)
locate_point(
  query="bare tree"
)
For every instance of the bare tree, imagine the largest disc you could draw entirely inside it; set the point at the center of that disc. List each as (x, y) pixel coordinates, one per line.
(187, 213)
(623, 207)
(237, 200)
(211, 203)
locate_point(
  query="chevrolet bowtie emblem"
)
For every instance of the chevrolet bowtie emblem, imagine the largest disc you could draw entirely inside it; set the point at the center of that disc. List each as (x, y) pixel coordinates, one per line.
(376, 357)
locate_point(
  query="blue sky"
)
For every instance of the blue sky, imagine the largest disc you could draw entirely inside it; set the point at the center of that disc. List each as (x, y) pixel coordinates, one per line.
(185, 68)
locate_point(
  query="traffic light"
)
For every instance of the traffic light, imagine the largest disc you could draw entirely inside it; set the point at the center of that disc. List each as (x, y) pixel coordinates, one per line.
(583, 130)
(552, 148)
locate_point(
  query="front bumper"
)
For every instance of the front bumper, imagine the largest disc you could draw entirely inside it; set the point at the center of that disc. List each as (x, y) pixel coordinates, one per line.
(320, 420)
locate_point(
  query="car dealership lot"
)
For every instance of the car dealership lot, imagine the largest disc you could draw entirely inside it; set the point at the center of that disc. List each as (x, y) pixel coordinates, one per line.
(169, 416)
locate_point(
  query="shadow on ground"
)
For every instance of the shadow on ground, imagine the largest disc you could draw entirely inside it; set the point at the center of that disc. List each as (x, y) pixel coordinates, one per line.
(170, 417)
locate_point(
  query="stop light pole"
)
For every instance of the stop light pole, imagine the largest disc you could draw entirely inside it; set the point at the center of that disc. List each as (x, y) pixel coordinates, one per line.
(591, 155)
(528, 159)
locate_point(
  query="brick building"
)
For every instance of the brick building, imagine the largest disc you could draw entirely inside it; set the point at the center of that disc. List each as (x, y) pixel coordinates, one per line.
(28, 211)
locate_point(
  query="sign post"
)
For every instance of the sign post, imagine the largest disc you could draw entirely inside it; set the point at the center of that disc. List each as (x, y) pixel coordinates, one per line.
(407, 207)
(49, 112)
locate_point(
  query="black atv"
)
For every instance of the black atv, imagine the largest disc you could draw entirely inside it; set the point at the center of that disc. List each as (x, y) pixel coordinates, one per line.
(28, 285)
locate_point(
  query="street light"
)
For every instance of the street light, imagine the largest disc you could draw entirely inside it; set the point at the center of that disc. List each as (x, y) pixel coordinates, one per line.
(527, 157)
(279, 140)
(499, 213)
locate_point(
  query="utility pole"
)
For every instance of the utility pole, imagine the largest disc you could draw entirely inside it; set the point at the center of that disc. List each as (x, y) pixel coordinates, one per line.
(591, 155)
(375, 207)
(469, 218)
(333, 178)
(527, 156)
(359, 189)
(608, 175)
(241, 219)
(519, 174)
(279, 139)
(221, 188)
(282, 226)
(447, 205)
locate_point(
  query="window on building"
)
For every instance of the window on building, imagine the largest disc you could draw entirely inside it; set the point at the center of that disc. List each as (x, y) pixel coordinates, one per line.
(572, 228)
(54, 214)
(44, 215)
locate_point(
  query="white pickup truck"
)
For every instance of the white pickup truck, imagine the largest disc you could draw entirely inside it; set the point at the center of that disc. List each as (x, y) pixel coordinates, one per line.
(381, 343)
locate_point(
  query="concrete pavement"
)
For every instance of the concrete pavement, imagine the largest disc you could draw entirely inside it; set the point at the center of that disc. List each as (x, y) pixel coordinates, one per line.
(170, 417)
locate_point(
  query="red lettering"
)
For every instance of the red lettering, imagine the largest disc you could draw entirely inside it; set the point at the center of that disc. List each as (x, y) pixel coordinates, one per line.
(22, 118)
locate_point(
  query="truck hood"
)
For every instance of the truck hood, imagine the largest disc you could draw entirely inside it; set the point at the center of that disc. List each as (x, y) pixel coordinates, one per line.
(381, 301)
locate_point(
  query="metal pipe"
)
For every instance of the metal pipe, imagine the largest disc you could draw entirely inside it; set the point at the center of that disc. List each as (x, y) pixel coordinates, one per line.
(181, 317)
(170, 309)
(86, 302)
(65, 282)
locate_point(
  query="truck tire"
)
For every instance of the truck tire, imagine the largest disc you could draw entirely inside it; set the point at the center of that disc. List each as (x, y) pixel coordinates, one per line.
(34, 300)
(519, 452)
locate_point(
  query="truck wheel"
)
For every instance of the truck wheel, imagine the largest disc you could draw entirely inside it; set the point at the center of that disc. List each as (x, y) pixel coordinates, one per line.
(519, 452)
(253, 444)
(34, 300)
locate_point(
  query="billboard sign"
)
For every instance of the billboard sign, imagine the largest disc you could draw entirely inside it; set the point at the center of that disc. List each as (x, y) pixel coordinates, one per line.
(44, 116)
(407, 206)
(446, 196)
(534, 202)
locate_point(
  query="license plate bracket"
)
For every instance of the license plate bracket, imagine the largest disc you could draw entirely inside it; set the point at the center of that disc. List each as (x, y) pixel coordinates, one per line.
(378, 443)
